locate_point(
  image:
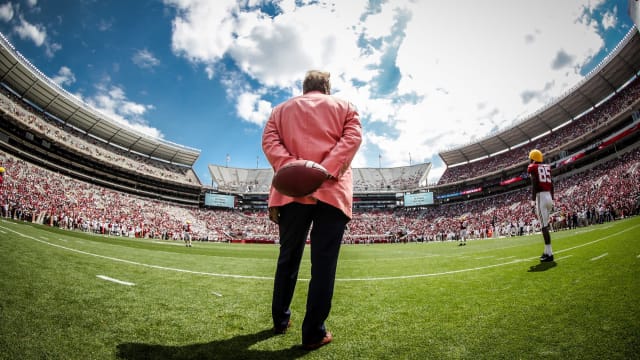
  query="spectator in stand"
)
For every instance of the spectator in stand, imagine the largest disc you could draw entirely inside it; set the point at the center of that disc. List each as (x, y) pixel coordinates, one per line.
(52, 198)
(318, 127)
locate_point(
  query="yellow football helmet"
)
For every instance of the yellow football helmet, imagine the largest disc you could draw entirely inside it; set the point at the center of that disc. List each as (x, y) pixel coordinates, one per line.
(1, 170)
(536, 155)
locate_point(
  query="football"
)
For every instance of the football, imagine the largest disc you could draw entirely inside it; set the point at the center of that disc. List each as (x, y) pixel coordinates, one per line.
(299, 178)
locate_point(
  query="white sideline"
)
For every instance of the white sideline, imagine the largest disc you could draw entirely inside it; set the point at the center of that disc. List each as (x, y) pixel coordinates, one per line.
(346, 279)
(141, 264)
(599, 257)
(103, 277)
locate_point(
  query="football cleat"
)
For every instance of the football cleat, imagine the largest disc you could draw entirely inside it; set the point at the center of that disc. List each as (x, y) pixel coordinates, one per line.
(546, 258)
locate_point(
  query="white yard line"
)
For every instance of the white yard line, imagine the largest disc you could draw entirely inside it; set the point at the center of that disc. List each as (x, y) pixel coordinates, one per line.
(381, 278)
(142, 264)
(103, 277)
(599, 257)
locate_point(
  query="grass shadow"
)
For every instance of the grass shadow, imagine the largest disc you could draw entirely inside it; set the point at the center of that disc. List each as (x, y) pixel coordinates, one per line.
(233, 348)
(543, 266)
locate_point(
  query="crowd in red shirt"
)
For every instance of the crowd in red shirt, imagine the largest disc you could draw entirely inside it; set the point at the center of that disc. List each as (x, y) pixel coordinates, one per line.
(55, 132)
(605, 192)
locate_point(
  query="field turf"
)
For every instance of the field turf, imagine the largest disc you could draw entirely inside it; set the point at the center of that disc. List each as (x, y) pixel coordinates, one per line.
(68, 295)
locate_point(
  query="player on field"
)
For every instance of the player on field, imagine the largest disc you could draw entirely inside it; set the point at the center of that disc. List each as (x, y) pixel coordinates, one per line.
(464, 232)
(542, 194)
(186, 233)
(4, 205)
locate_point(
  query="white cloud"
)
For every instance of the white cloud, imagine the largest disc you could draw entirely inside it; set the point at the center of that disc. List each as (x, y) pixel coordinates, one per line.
(35, 33)
(252, 109)
(65, 77)
(112, 101)
(105, 25)
(6, 12)
(278, 51)
(202, 30)
(145, 59)
(425, 75)
(51, 49)
(610, 19)
(473, 71)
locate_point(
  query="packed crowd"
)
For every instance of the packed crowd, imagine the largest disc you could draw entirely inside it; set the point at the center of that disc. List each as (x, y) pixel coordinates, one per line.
(57, 133)
(606, 192)
(603, 193)
(551, 142)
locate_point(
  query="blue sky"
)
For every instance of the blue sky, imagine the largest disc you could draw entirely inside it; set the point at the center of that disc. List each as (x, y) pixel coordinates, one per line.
(425, 75)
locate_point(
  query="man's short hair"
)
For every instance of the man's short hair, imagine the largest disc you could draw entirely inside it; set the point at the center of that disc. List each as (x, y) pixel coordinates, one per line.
(316, 80)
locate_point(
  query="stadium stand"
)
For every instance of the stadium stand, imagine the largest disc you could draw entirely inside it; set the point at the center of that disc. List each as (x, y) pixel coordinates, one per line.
(56, 130)
(601, 119)
(405, 178)
(608, 190)
(84, 173)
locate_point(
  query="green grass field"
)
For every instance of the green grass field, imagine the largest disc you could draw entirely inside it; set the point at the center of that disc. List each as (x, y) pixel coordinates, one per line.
(491, 299)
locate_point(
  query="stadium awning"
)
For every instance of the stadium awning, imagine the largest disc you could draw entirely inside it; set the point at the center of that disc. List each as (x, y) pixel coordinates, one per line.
(29, 83)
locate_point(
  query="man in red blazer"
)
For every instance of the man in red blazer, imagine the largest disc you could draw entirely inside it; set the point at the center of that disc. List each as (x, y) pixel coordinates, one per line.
(322, 128)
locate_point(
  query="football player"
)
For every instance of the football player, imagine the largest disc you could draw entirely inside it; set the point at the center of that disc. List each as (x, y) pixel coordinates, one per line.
(464, 232)
(186, 233)
(542, 194)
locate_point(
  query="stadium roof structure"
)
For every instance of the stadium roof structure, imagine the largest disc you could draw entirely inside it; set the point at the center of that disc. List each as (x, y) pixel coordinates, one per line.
(36, 88)
(396, 179)
(615, 71)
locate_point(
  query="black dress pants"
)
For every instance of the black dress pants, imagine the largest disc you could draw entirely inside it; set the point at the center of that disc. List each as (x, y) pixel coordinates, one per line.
(327, 225)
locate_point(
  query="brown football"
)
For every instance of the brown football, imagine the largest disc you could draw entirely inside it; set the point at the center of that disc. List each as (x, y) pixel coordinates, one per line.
(299, 178)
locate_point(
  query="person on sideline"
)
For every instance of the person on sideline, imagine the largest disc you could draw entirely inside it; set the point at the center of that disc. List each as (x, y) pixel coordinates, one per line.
(464, 232)
(542, 194)
(319, 127)
(186, 233)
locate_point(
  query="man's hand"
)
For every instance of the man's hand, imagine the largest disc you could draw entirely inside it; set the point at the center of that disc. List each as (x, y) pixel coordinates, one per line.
(274, 214)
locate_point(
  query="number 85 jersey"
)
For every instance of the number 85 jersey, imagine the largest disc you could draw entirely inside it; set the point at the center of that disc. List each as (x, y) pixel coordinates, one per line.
(540, 177)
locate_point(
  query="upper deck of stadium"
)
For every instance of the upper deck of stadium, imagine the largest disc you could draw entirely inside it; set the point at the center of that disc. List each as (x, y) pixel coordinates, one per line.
(32, 85)
(403, 178)
(605, 81)
(617, 69)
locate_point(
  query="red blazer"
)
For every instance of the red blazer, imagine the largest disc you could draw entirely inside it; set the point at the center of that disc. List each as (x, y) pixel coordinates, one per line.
(316, 127)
